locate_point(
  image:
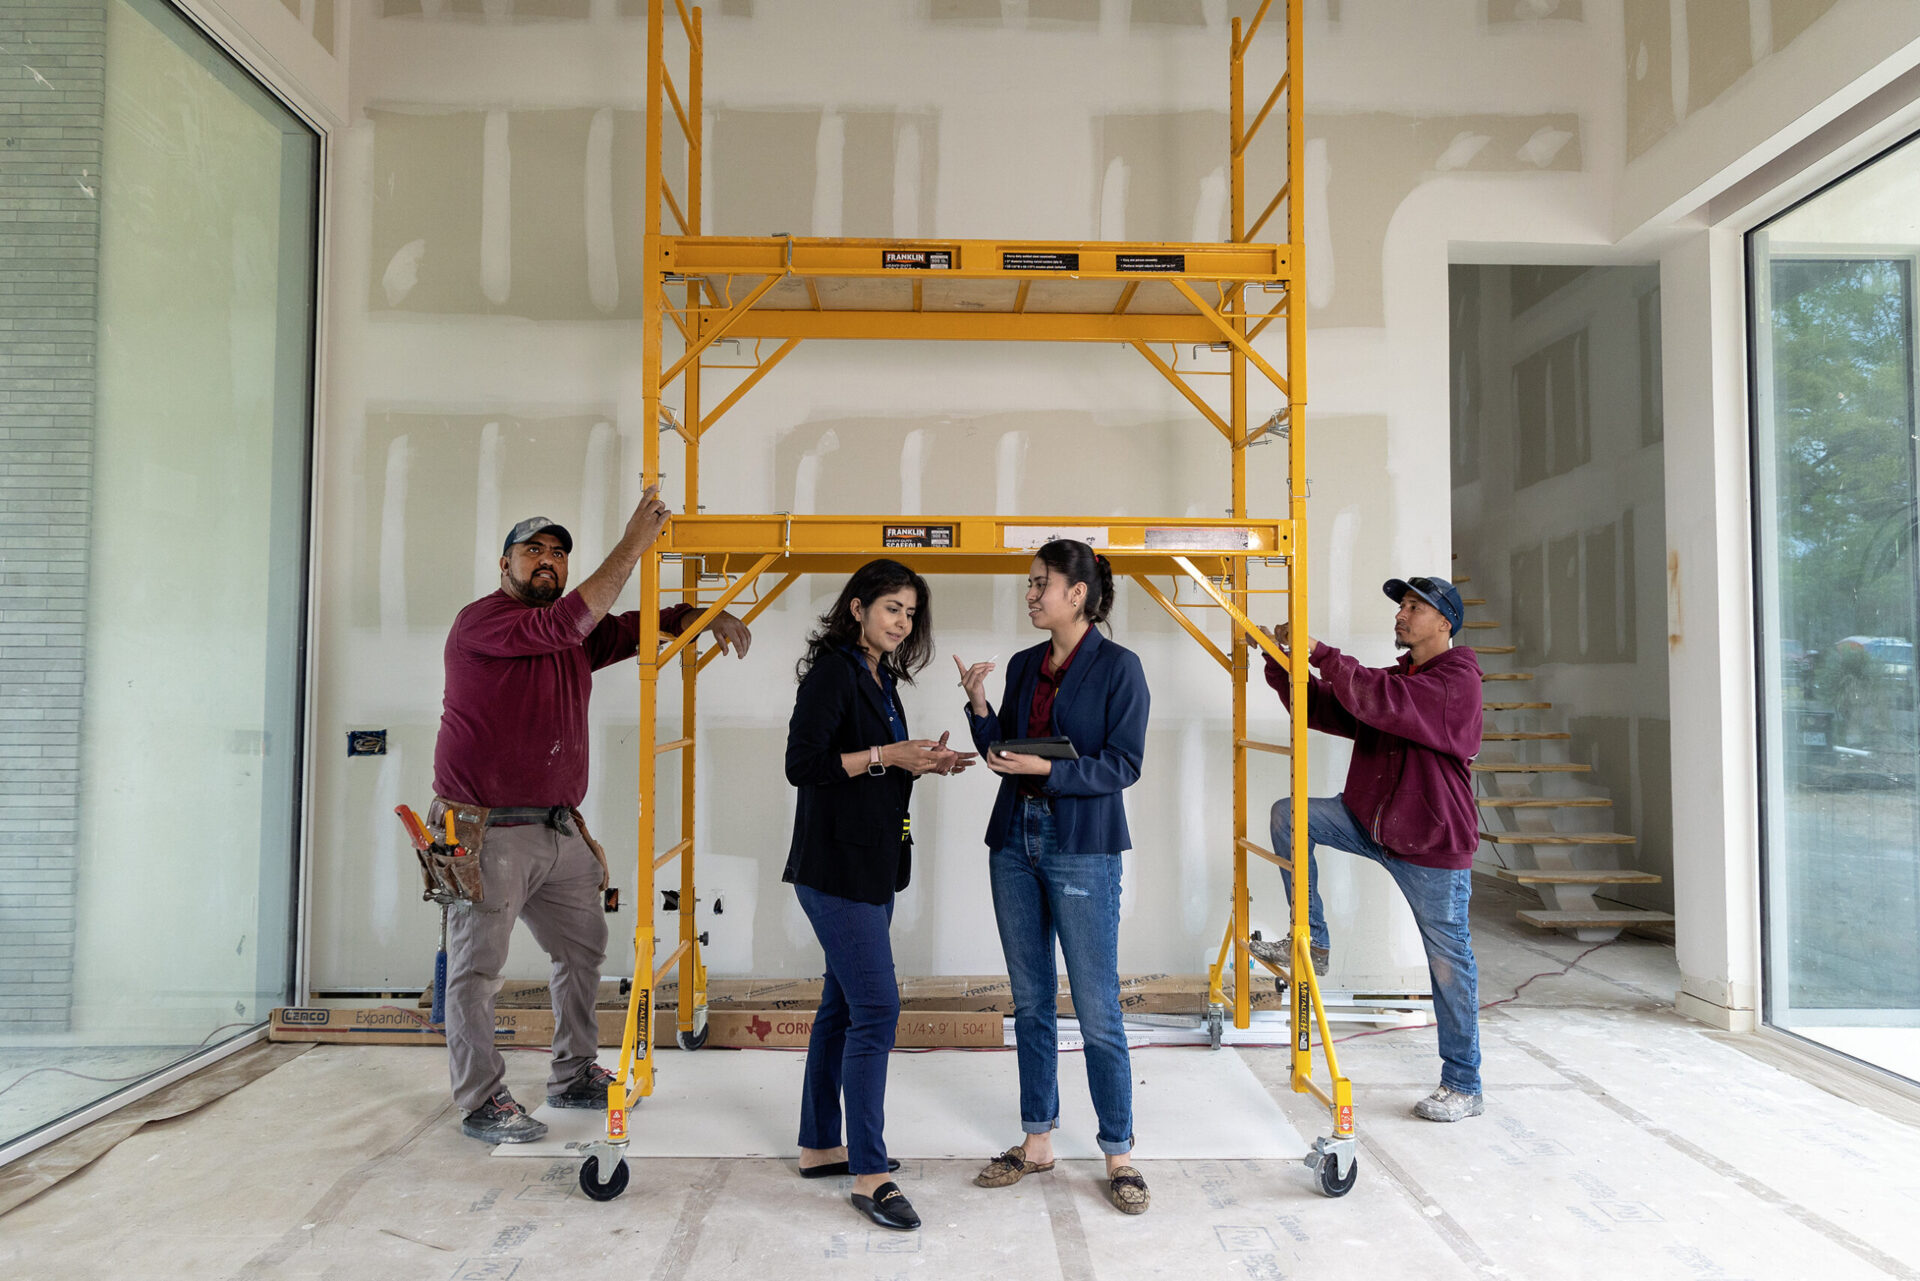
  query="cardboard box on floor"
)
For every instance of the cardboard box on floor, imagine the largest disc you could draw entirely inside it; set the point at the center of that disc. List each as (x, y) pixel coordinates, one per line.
(729, 1028)
(974, 993)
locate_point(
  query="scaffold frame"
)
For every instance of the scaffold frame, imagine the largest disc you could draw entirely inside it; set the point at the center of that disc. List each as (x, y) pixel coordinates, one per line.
(1145, 296)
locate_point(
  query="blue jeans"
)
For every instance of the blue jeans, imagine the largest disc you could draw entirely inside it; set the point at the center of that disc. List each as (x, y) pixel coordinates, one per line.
(1039, 894)
(852, 1030)
(1438, 897)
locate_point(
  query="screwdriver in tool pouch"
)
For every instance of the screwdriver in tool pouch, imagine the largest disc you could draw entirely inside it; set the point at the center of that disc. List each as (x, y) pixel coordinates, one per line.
(416, 830)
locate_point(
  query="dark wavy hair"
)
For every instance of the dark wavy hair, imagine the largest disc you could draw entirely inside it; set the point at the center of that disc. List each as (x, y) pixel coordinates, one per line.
(1079, 563)
(869, 583)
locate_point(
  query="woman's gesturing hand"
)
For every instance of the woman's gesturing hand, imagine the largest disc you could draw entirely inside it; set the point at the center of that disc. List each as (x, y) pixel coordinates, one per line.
(920, 756)
(974, 681)
(949, 761)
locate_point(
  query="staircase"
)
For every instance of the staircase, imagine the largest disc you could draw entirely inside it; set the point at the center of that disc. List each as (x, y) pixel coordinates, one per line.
(1543, 836)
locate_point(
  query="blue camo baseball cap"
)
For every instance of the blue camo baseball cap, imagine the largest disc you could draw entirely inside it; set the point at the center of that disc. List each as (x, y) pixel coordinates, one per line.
(1437, 592)
(537, 525)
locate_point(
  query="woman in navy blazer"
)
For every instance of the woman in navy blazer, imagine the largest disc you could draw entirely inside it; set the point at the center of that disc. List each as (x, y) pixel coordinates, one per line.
(1056, 836)
(849, 757)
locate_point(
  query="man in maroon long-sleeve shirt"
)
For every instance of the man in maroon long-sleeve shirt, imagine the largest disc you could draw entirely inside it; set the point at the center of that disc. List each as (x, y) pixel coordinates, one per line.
(1408, 805)
(513, 741)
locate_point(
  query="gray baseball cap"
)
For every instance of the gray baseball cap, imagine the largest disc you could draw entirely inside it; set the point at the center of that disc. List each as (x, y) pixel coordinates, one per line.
(537, 525)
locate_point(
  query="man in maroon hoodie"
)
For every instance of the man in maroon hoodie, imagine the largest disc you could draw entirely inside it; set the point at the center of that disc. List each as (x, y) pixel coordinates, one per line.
(1408, 805)
(513, 742)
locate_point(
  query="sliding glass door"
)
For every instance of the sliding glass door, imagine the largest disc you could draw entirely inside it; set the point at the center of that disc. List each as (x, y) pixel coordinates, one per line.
(1835, 513)
(158, 332)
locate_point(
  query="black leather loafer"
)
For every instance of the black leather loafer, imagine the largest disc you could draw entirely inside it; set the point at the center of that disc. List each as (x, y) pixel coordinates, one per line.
(888, 1207)
(832, 1168)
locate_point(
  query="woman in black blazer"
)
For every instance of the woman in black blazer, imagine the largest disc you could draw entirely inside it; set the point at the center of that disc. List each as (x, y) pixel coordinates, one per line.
(849, 755)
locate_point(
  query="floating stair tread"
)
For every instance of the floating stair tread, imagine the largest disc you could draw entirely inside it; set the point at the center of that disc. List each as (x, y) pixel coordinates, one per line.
(1464, 578)
(1515, 707)
(1471, 601)
(1558, 838)
(1496, 649)
(1593, 920)
(1528, 876)
(1531, 767)
(1541, 802)
(1523, 736)
(1483, 626)
(1506, 676)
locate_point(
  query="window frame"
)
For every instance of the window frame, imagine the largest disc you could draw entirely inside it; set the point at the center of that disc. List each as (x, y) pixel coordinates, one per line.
(1762, 511)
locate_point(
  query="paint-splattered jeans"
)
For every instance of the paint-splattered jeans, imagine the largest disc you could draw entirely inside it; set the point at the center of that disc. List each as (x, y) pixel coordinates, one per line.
(1040, 894)
(1439, 897)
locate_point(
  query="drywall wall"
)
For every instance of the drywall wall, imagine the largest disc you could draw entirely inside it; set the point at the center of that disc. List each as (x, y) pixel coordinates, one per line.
(1559, 516)
(1710, 622)
(484, 365)
(1713, 89)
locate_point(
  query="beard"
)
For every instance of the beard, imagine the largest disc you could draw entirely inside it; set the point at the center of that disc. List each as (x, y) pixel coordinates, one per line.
(541, 591)
(1401, 643)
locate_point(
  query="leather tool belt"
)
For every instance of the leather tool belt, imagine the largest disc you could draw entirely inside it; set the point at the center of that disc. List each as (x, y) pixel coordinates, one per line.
(450, 871)
(460, 874)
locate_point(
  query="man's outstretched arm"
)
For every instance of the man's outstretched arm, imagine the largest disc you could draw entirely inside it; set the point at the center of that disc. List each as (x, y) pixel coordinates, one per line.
(603, 586)
(1324, 711)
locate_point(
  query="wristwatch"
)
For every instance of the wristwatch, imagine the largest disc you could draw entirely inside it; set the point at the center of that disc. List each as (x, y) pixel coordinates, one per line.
(874, 767)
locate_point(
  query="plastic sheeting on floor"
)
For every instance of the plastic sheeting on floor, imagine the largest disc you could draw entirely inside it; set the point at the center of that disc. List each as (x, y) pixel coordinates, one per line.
(1187, 1104)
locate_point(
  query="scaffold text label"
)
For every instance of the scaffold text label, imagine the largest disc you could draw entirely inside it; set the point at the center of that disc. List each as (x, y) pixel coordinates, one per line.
(917, 536)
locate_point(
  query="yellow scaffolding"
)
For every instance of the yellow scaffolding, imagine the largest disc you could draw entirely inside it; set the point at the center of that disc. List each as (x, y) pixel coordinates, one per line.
(788, 289)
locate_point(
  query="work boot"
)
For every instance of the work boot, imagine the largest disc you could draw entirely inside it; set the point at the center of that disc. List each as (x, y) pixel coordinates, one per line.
(501, 1120)
(588, 1090)
(1280, 952)
(1449, 1105)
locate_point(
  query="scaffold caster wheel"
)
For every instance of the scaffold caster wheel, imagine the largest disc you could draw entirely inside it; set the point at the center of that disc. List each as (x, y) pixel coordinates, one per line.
(1330, 1181)
(692, 1040)
(1216, 1026)
(590, 1179)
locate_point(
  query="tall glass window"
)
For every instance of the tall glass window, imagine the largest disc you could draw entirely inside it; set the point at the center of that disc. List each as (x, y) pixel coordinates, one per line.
(155, 405)
(1834, 331)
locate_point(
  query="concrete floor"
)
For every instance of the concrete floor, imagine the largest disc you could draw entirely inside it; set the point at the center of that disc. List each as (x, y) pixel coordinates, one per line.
(1620, 1141)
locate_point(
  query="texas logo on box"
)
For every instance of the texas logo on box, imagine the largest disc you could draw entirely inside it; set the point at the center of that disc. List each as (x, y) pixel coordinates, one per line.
(759, 1027)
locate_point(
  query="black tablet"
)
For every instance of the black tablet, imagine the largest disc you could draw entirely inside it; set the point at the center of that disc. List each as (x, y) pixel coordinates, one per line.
(1057, 748)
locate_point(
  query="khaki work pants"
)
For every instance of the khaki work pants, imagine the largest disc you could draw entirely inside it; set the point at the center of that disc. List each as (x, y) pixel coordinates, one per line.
(550, 880)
